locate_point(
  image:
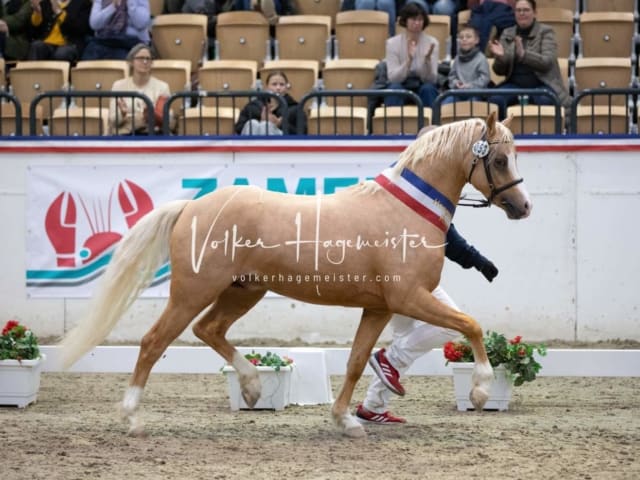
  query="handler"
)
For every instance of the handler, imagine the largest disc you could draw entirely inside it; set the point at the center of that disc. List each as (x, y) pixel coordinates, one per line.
(413, 338)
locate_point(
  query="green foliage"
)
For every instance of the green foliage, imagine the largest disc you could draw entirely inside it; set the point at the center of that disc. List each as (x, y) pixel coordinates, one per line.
(18, 343)
(516, 356)
(269, 359)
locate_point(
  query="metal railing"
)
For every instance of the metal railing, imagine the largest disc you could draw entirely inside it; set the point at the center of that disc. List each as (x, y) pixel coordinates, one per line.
(629, 98)
(14, 112)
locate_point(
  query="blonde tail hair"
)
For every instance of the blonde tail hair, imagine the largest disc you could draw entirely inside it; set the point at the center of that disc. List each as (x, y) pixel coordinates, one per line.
(135, 261)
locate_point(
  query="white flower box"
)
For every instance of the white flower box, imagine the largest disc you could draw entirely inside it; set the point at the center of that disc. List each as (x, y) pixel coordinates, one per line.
(20, 381)
(276, 387)
(499, 395)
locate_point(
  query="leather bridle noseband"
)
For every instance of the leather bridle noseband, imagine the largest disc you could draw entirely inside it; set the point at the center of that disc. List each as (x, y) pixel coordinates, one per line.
(481, 150)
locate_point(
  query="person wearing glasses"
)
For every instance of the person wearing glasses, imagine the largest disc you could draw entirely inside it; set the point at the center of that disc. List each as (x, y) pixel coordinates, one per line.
(527, 55)
(129, 115)
(118, 26)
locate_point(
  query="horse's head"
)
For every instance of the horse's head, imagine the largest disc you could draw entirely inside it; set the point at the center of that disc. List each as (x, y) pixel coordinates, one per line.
(499, 180)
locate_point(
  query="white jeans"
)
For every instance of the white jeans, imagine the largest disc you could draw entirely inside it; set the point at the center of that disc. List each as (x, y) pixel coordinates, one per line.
(411, 339)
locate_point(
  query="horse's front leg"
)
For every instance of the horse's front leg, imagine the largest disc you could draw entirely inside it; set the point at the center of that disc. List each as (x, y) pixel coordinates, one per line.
(424, 306)
(371, 325)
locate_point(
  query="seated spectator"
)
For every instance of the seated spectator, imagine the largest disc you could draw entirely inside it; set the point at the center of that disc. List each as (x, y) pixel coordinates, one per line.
(526, 55)
(412, 57)
(487, 14)
(271, 9)
(15, 22)
(264, 116)
(59, 29)
(470, 68)
(119, 25)
(128, 115)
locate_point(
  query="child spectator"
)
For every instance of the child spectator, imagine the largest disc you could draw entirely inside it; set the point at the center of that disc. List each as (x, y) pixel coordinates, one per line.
(470, 68)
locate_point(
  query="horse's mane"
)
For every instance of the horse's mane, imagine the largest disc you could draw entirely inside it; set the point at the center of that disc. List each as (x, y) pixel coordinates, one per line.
(448, 141)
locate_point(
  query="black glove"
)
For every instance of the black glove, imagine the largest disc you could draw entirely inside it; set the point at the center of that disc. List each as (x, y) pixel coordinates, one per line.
(487, 268)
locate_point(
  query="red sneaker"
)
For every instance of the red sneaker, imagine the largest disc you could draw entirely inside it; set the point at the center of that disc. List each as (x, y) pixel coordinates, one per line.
(386, 418)
(387, 373)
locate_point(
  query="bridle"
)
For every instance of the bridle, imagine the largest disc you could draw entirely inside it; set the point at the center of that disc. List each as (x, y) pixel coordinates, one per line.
(481, 150)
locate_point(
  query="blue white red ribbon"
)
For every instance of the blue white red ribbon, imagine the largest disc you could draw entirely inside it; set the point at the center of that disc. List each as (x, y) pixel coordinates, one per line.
(418, 195)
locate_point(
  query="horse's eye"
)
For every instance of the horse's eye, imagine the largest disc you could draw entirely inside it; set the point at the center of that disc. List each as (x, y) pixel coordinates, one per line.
(501, 162)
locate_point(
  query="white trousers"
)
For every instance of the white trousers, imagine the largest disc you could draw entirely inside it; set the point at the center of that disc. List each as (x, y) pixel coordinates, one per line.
(411, 339)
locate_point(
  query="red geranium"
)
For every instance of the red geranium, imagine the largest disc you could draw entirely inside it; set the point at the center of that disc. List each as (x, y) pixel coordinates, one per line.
(17, 342)
(516, 340)
(456, 352)
(10, 326)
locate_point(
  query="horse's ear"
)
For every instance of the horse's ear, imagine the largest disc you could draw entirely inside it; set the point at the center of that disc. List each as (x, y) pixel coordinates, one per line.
(491, 124)
(507, 121)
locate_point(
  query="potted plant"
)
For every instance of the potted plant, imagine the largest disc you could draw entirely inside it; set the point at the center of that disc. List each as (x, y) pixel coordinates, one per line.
(20, 365)
(513, 362)
(275, 378)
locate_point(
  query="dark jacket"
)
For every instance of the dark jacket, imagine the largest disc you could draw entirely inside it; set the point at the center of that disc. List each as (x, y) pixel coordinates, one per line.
(17, 15)
(253, 110)
(75, 27)
(459, 251)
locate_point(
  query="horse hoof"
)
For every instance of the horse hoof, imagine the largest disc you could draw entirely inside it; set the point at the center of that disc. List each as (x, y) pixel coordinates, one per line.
(478, 397)
(137, 431)
(356, 431)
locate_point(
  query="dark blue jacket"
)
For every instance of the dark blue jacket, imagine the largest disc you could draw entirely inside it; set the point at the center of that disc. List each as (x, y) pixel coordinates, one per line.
(459, 251)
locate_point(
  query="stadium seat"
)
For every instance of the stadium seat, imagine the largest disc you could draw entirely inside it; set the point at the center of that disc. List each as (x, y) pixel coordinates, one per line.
(77, 121)
(402, 120)
(609, 6)
(349, 74)
(606, 34)
(180, 36)
(561, 20)
(208, 121)
(337, 121)
(243, 35)
(98, 76)
(177, 73)
(534, 119)
(31, 78)
(227, 76)
(320, 7)
(601, 72)
(573, 5)
(451, 112)
(361, 34)
(602, 119)
(8, 120)
(303, 37)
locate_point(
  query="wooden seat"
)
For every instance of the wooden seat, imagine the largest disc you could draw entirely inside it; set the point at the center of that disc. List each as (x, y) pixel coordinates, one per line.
(534, 119)
(349, 74)
(320, 7)
(337, 121)
(609, 6)
(302, 75)
(180, 36)
(303, 37)
(243, 35)
(451, 112)
(31, 78)
(76, 121)
(398, 120)
(561, 20)
(156, 8)
(97, 75)
(8, 121)
(606, 34)
(177, 73)
(573, 5)
(227, 76)
(208, 121)
(601, 119)
(594, 73)
(361, 34)
(3, 77)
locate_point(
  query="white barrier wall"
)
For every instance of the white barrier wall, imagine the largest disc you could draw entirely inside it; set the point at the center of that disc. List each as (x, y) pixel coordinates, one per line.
(567, 272)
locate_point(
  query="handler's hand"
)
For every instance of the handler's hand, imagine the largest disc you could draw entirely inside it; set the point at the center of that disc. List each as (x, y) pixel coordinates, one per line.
(487, 268)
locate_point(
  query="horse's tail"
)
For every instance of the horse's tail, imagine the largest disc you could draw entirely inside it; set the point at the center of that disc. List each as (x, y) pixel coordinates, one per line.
(135, 261)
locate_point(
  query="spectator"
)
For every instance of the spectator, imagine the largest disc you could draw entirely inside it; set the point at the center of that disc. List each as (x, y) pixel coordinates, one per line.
(412, 57)
(470, 68)
(271, 9)
(119, 25)
(14, 29)
(128, 115)
(264, 116)
(526, 55)
(59, 29)
(489, 14)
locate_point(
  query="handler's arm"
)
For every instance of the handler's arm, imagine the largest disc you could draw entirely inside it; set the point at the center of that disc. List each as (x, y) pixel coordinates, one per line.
(459, 251)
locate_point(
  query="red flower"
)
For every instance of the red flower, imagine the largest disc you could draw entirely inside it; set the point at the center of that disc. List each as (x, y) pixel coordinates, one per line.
(454, 352)
(522, 352)
(9, 326)
(516, 340)
(255, 361)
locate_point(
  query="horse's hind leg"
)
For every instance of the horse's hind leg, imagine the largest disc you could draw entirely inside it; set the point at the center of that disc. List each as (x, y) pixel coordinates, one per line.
(233, 303)
(171, 323)
(371, 325)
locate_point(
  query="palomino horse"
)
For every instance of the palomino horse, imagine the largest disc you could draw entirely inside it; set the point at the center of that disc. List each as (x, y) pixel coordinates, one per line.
(230, 247)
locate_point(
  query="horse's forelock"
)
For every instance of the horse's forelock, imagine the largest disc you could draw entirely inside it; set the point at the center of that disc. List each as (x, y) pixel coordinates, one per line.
(448, 141)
